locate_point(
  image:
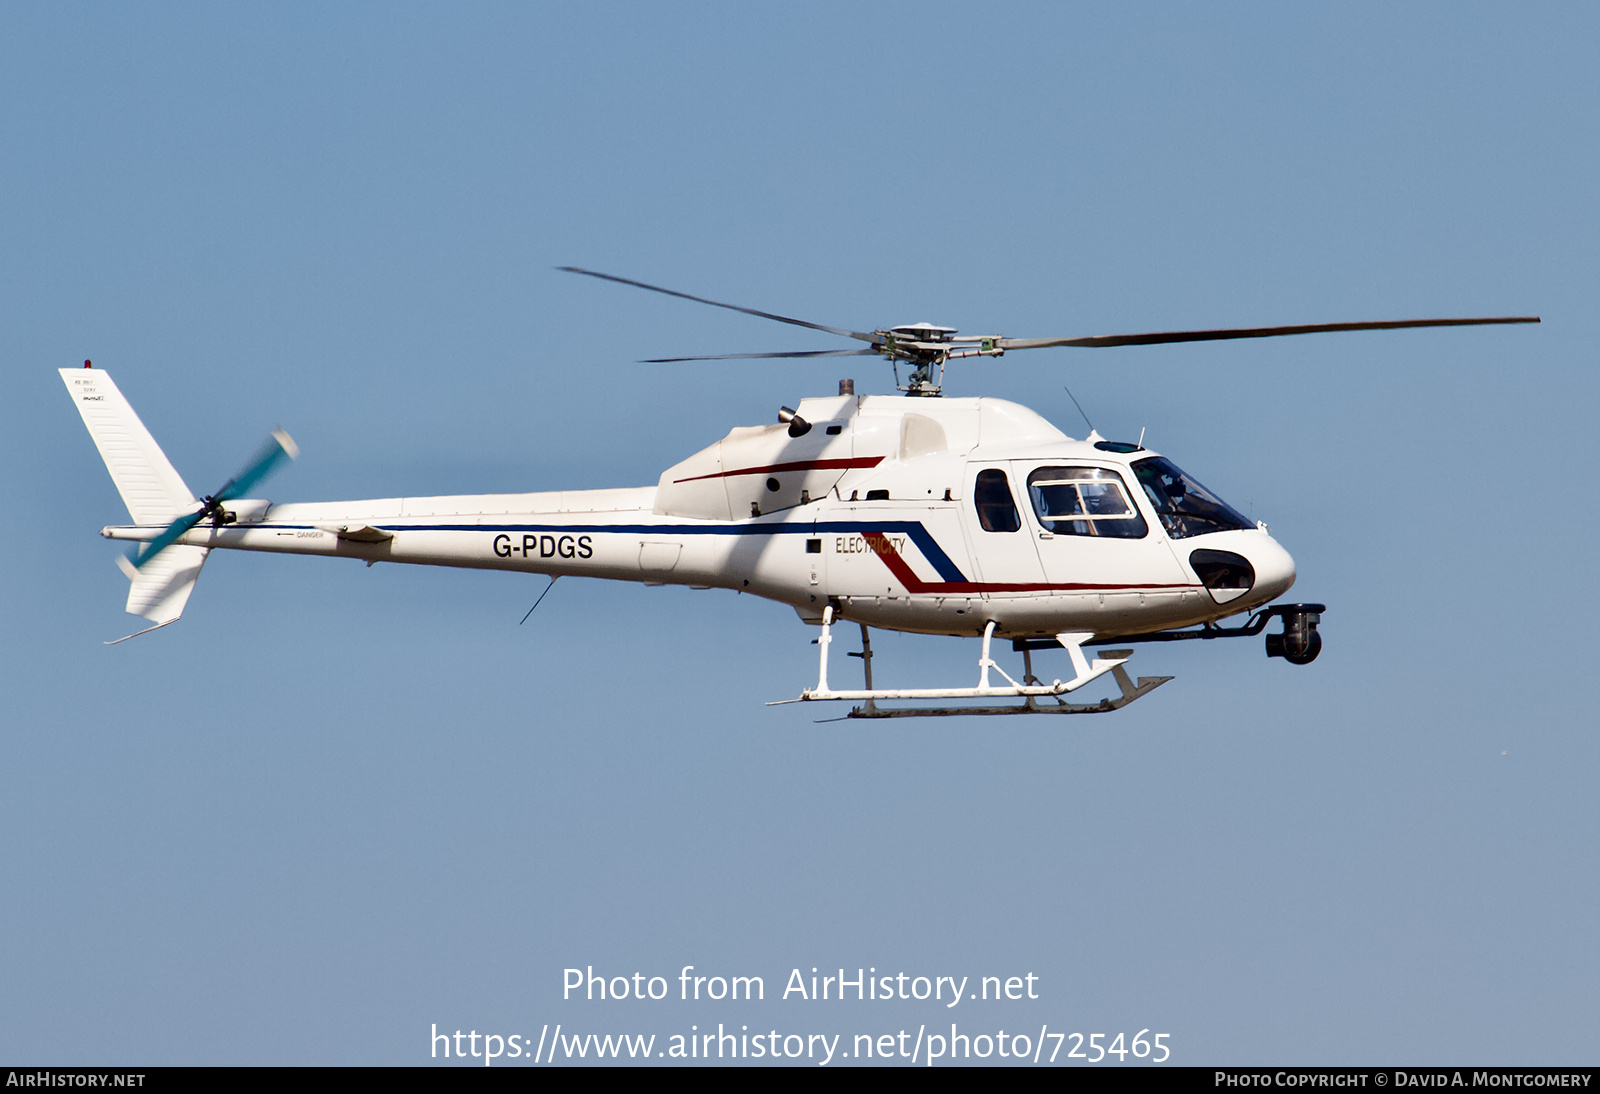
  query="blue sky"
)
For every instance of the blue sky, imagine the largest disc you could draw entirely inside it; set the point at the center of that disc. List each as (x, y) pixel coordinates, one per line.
(336, 805)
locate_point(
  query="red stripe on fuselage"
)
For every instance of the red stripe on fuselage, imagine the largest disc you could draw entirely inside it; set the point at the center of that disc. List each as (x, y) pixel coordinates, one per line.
(902, 572)
(799, 465)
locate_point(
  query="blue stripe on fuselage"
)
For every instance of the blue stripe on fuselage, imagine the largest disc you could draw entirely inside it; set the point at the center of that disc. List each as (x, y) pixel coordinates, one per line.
(941, 562)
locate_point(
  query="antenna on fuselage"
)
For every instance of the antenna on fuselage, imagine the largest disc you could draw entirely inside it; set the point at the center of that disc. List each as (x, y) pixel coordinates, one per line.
(1075, 403)
(536, 603)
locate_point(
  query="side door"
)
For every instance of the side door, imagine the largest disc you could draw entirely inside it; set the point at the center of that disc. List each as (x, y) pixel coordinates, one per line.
(1005, 562)
(1097, 548)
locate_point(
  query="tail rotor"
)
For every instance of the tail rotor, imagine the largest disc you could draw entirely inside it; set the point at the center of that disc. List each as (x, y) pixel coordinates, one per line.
(278, 448)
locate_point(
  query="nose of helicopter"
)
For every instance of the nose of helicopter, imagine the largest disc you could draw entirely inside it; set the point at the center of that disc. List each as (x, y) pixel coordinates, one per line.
(1274, 568)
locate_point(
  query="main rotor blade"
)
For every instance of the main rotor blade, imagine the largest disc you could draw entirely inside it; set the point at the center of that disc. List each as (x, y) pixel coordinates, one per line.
(752, 356)
(857, 335)
(1104, 340)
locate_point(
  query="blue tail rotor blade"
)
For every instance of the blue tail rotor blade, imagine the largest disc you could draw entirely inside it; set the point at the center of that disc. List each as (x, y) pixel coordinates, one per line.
(167, 538)
(278, 448)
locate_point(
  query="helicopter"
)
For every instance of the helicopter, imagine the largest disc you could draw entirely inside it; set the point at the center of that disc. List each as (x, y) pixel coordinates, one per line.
(921, 513)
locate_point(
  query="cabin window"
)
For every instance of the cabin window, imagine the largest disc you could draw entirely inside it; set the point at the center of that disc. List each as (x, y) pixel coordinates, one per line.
(1084, 501)
(997, 512)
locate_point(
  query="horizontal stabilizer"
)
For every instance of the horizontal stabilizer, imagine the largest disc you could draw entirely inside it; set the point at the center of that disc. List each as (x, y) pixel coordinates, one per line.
(358, 533)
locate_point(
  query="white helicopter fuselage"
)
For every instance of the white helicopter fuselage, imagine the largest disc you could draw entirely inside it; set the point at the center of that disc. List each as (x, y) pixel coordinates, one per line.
(937, 516)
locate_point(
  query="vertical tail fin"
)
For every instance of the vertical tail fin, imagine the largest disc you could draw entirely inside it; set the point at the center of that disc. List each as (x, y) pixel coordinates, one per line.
(151, 488)
(161, 587)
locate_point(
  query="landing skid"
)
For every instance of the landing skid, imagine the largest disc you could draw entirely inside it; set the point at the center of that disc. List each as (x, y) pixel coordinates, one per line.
(1031, 691)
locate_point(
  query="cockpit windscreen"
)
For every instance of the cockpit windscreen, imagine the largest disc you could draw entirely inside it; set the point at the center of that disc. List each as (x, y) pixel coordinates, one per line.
(1186, 508)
